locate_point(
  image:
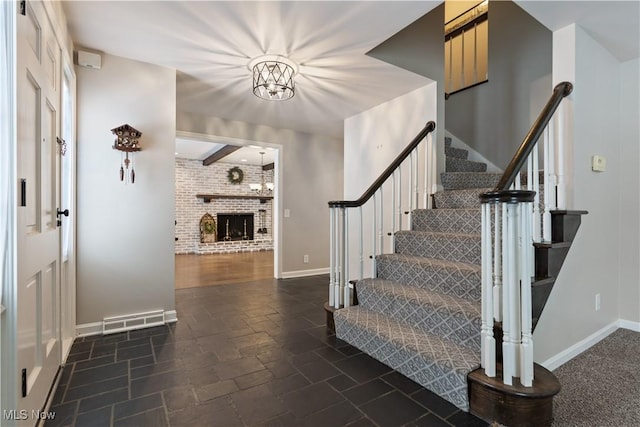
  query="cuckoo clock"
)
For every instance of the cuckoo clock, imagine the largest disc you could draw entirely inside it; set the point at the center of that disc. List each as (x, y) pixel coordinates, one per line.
(126, 142)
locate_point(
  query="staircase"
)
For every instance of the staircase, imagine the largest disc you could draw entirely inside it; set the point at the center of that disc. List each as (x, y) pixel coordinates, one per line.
(421, 315)
(455, 305)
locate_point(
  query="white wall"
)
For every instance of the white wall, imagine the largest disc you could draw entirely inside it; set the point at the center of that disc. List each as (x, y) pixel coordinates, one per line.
(125, 240)
(629, 234)
(595, 264)
(372, 140)
(311, 177)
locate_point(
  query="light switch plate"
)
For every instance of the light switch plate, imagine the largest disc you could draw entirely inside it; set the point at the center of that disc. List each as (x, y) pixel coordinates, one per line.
(598, 163)
(287, 213)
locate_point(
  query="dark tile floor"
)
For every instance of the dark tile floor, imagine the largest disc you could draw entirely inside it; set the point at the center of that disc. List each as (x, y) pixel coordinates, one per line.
(254, 354)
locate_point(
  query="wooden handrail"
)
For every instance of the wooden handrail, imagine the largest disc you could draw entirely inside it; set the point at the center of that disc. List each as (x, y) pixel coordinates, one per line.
(560, 91)
(429, 127)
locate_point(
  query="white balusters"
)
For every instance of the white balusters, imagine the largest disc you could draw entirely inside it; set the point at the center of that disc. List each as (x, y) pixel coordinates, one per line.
(488, 342)
(361, 245)
(508, 251)
(526, 273)
(344, 282)
(497, 264)
(561, 188)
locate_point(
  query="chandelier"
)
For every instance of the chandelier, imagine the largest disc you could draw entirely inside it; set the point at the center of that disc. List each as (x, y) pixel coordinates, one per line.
(264, 188)
(273, 77)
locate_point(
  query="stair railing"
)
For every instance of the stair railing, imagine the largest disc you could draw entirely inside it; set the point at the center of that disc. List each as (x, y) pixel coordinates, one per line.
(340, 288)
(513, 218)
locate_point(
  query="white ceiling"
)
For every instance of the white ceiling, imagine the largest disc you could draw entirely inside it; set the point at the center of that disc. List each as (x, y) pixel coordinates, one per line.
(210, 44)
(614, 24)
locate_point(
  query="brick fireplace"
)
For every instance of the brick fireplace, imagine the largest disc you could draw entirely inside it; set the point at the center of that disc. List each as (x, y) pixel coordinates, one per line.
(192, 178)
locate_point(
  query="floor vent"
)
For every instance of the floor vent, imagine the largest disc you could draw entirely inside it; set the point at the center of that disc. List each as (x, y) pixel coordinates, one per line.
(130, 322)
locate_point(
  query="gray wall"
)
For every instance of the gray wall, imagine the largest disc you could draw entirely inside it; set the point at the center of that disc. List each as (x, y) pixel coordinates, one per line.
(312, 171)
(125, 233)
(494, 117)
(420, 48)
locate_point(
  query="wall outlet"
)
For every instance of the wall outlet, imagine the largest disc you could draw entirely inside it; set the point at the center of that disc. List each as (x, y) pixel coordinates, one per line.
(305, 259)
(597, 302)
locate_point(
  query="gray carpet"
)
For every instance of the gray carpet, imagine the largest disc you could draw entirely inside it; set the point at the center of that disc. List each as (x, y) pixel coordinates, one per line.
(601, 387)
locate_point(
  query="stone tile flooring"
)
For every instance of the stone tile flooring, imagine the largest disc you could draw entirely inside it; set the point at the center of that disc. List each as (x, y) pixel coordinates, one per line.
(253, 354)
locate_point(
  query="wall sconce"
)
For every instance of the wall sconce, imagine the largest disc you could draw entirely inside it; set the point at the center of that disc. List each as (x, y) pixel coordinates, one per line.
(126, 142)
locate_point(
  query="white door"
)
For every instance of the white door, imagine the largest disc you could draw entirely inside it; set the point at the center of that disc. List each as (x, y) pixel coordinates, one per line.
(38, 234)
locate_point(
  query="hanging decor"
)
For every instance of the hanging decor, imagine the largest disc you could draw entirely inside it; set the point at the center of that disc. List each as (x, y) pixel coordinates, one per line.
(264, 188)
(235, 175)
(126, 142)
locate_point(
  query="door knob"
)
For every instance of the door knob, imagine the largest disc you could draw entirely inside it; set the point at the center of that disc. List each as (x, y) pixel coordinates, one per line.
(64, 212)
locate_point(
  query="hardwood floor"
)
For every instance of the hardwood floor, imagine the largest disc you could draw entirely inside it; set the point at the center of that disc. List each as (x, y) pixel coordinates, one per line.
(194, 271)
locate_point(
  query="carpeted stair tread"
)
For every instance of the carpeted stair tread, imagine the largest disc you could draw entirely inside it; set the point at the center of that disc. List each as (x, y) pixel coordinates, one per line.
(449, 317)
(459, 279)
(454, 164)
(459, 199)
(458, 153)
(463, 247)
(433, 362)
(462, 180)
(466, 220)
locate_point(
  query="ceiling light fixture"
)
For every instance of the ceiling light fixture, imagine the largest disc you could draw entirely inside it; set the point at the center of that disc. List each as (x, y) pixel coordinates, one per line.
(273, 77)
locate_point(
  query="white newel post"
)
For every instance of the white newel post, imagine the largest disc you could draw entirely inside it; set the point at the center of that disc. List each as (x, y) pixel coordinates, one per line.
(332, 261)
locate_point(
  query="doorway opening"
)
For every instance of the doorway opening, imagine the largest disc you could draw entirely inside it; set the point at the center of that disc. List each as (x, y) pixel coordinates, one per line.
(227, 193)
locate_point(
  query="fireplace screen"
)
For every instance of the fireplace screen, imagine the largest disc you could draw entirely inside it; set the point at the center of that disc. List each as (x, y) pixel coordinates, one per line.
(235, 226)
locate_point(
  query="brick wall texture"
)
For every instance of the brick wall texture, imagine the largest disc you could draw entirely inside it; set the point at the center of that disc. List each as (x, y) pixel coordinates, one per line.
(193, 178)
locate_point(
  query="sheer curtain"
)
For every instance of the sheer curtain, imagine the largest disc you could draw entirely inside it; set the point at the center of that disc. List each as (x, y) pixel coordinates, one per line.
(7, 160)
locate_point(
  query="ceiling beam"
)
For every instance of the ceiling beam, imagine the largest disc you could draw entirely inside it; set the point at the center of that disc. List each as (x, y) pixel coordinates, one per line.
(268, 166)
(221, 153)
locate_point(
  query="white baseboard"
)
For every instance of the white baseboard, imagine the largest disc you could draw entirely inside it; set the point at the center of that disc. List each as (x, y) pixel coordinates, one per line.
(304, 273)
(564, 356)
(95, 328)
(628, 324)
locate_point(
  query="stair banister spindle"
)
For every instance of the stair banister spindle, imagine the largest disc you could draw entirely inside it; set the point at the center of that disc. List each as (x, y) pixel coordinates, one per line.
(332, 263)
(488, 343)
(374, 240)
(537, 223)
(508, 270)
(546, 214)
(401, 227)
(427, 177)
(526, 347)
(345, 232)
(560, 139)
(416, 192)
(381, 228)
(393, 209)
(497, 263)
(361, 246)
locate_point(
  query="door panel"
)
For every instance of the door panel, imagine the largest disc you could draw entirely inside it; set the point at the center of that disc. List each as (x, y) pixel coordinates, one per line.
(30, 151)
(49, 171)
(38, 237)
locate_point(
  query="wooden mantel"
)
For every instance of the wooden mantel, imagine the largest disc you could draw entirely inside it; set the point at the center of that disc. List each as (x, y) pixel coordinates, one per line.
(208, 197)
